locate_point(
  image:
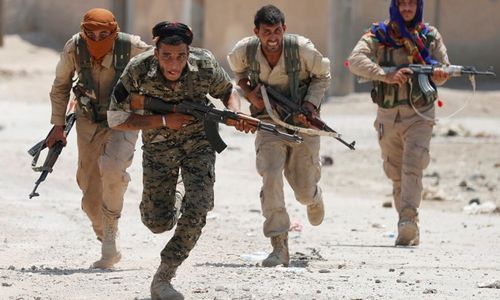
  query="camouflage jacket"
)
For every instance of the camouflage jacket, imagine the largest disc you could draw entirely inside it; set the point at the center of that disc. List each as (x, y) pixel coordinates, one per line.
(202, 76)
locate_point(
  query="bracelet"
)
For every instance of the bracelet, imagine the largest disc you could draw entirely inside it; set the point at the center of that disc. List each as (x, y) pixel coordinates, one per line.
(164, 121)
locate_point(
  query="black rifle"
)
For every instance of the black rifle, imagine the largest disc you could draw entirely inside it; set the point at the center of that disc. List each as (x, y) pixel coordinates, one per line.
(292, 108)
(52, 155)
(423, 72)
(211, 116)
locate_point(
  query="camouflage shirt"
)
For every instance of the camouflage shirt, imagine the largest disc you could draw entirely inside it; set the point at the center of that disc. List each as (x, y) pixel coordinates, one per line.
(202, 76)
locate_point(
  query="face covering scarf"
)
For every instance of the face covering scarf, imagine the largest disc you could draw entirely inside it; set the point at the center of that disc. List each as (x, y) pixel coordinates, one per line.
(396, 33)
(99, 19)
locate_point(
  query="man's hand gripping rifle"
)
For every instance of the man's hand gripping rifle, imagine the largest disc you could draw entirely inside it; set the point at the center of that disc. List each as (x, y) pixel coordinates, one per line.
(424, 72)
(53, 153)
(211, 116)
(273, 98)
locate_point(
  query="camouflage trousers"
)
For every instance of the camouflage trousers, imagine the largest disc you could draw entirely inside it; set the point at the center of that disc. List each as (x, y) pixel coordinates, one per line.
(103, 158)
(301, 166)
(404, 139)
(161, 164)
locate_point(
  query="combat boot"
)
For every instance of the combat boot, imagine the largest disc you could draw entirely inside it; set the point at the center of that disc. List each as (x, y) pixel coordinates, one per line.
(110, 254)
(280, 255)
(408, 232)
(161, 288)
(316, 212)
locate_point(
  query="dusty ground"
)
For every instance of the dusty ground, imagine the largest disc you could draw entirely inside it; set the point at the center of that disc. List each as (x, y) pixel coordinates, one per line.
(46, 243)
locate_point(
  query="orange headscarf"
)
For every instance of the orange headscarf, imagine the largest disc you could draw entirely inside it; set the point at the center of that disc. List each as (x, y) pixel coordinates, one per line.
(99, 19)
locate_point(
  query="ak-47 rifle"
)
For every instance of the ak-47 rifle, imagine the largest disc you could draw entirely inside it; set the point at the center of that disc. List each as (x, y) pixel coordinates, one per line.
(291, 109)
(52, 155)
(211, 116)
(423, 72)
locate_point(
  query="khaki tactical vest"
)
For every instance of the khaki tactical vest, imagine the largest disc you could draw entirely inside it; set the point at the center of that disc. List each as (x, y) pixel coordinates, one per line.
(298, 89)
(387, 95)
(85, 91)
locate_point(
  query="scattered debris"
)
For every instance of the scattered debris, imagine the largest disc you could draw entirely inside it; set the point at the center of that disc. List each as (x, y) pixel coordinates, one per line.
(387, 204)
(430, 291)
(491, 285)
(483, 134)
(435, 176)
(212, 216)
(255, 256)
(477, 176)
(452, 131)
(11, 267)
(377, 225)
(313, 255)
(220, 289)
(485, 208)
(295, 227)
(433, 194)
(6, 284)
(389, 234)
(342, 266)
(475, 200)
(326, 161)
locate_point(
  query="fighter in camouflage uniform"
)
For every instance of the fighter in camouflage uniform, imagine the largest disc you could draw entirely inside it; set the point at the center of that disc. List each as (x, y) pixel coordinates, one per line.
(173, 72)
(404, 131)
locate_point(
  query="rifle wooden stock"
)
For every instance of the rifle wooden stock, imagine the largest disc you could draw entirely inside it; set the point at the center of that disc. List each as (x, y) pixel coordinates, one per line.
(210, 116)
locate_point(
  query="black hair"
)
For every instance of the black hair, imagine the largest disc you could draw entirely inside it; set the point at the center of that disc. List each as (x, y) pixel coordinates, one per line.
(270, 15)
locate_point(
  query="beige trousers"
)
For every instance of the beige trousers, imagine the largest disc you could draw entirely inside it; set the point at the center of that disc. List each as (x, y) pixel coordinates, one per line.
(301, 167)
(404, 140)
(103, 158)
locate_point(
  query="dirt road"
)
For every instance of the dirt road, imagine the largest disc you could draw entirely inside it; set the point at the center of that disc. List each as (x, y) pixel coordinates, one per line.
(47, 245)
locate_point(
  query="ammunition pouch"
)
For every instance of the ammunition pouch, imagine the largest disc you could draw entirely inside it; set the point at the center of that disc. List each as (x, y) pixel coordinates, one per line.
(387, 95)
(91, 109)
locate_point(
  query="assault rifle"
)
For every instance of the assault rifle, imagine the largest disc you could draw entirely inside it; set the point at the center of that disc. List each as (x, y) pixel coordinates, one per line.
(211, 116)
(291, 108)
(52, 155)
(423, 72)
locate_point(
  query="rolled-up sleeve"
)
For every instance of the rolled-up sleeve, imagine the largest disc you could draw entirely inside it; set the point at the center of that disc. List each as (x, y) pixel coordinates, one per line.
(61, 87)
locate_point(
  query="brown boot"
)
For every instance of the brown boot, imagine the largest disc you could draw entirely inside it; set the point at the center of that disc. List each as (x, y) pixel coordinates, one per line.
(316, 212)
(280, 255)
(161, 288)
(110, 254)
(408, 232)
